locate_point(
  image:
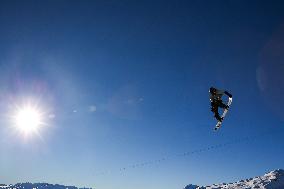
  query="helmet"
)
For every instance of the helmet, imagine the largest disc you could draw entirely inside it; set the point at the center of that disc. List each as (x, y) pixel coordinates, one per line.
(212, 90)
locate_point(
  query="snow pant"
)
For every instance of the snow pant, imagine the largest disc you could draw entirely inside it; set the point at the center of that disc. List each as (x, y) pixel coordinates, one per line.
(215, 105)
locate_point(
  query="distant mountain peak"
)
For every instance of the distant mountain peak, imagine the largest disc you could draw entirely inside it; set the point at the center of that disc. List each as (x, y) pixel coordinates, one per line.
(277, 171)
(271, 180)
(28, 185)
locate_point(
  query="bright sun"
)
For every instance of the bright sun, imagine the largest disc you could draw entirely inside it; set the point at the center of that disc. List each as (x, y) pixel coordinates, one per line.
(28, 119)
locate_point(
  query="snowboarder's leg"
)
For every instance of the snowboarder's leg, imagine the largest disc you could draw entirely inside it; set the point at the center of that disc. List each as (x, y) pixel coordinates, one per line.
(218, 117)
(222, 105)
(214, 107)
(215, 110)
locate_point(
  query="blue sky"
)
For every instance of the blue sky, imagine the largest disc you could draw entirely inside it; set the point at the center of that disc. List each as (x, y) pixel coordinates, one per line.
(123, 83)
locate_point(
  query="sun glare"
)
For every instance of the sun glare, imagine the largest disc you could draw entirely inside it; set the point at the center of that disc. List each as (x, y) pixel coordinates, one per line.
(28, 119)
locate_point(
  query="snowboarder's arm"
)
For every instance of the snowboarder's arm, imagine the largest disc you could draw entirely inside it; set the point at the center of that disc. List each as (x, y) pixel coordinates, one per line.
(219, 92)
(228, 94)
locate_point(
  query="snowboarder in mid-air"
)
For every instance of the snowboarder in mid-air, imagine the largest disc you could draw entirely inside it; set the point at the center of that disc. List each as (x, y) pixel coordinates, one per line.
(216, 101)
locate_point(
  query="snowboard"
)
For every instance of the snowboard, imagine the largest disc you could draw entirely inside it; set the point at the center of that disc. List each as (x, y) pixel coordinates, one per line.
(219, 123)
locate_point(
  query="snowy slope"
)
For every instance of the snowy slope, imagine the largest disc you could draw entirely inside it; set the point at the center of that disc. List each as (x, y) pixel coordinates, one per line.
(37, 186)
(271, 180)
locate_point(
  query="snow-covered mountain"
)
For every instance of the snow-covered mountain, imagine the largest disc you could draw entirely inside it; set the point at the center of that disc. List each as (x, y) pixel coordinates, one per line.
(37, 186)
(271, 180)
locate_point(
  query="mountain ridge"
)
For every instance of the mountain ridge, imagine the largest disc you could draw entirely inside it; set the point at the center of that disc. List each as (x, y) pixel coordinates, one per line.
(40, 185)
(271, 180)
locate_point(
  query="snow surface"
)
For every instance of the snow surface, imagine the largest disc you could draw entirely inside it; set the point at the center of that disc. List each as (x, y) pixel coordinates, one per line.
(37, 186)
(271, 180)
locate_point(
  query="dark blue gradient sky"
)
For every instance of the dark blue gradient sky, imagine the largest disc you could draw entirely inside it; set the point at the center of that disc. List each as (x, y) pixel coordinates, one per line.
(126, 82)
